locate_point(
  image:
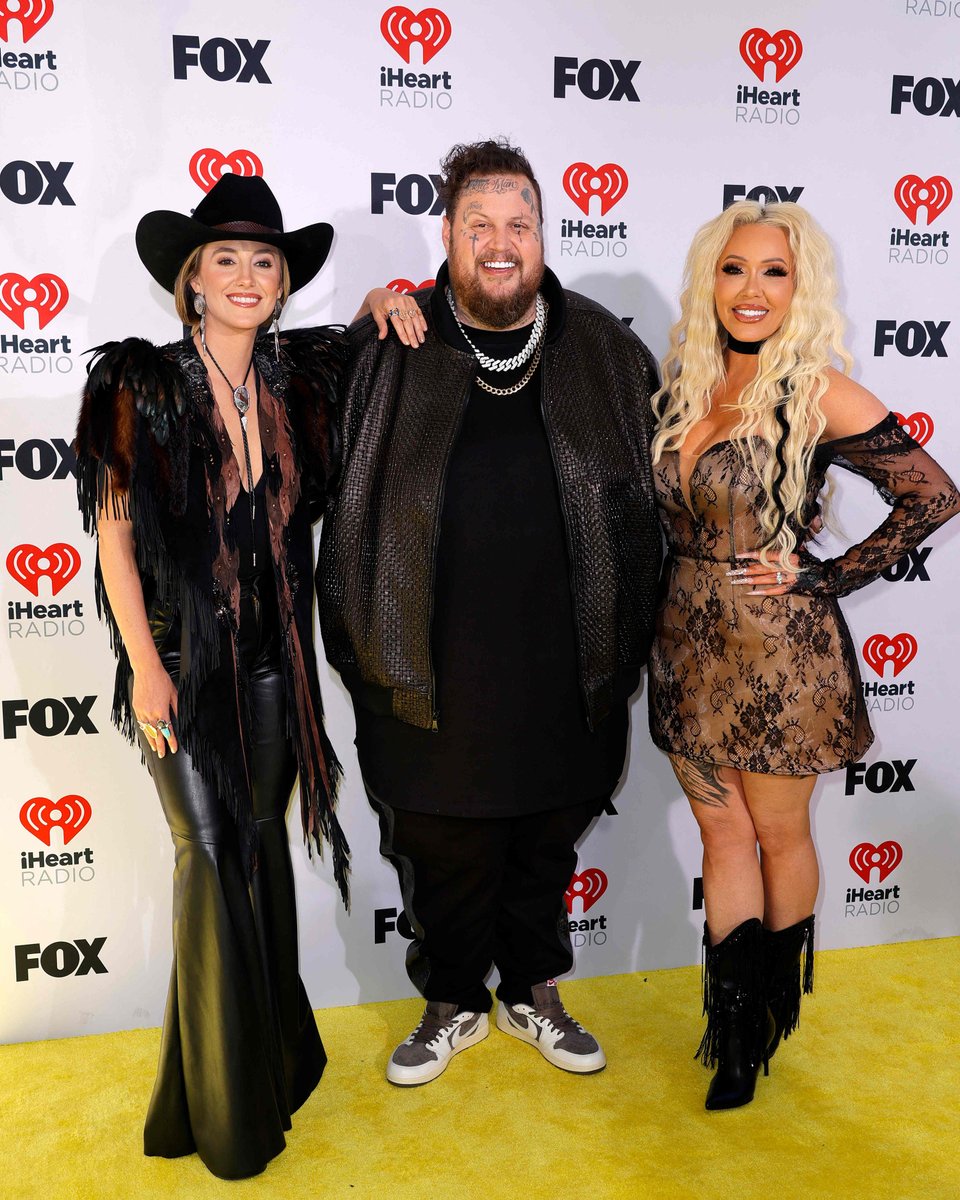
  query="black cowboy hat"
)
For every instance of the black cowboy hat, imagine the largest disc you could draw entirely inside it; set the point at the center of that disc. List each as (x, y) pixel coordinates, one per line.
(239, 206)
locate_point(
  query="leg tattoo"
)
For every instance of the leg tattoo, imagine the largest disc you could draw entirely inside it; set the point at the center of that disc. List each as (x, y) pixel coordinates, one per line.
(700, 781)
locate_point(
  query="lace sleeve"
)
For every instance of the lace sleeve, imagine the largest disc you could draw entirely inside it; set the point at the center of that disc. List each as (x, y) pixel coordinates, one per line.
(920, 493)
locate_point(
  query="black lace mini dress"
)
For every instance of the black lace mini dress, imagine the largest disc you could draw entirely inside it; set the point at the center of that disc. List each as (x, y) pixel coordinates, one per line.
(770, 684)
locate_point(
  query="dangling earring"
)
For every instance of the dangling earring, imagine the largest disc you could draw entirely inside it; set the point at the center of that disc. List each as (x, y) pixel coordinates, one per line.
(200, 306)
(276, 329)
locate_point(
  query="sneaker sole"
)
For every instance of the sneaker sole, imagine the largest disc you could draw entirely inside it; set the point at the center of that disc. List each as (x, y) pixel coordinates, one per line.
(401, 1076)
(579, 1064)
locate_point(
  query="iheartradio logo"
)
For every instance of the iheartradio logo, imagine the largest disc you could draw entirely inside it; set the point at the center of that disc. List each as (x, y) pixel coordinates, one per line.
(900, 651)
(582, 182)
(783, 49)
(588, 887)
(47, 294)
(884, 858)
(405, 286)
(32, 15)
(430, 29)
(933, 194)
(919, 425)
(208, 165)
(29, 564)
(69, 814)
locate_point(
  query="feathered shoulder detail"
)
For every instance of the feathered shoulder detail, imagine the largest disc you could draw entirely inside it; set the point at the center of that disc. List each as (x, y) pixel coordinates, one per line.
(315, 349)
(150, 375)
(314, 362)
(134, 400)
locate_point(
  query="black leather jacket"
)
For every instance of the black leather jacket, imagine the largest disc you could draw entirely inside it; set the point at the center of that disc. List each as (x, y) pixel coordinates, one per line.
(402, 414)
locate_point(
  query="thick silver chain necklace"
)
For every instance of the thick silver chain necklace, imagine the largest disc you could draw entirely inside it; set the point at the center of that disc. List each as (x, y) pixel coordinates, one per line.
(505, 364)
(522, 383)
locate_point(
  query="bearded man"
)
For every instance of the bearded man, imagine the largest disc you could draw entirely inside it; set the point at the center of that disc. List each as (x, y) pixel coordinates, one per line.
(487, 580)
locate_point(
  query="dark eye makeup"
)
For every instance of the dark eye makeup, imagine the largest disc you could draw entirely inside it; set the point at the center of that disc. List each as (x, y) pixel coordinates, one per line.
(732, 268)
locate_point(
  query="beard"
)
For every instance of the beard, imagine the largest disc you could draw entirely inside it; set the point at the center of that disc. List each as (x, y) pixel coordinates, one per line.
(494, 311)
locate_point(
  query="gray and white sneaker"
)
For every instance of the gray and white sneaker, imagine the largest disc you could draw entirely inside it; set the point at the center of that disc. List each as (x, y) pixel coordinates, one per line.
(548, 1026)
(442, 1033)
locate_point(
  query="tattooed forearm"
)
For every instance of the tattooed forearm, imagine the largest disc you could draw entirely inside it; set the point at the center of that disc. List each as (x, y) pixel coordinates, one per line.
(700, 781)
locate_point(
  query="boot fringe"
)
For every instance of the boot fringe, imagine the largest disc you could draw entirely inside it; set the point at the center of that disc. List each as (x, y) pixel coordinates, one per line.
(789, 954)
(807, 951)
(717, 999)
(709, 1043)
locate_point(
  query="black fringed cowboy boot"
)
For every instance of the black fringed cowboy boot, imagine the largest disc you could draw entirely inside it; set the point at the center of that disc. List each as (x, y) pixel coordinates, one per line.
(738, 1021)
(782, 951)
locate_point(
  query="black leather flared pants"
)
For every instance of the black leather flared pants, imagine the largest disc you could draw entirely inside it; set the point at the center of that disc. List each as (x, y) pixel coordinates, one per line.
(240, 1049)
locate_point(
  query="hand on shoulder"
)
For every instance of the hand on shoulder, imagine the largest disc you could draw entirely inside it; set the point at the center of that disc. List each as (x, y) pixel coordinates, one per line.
(848, 407)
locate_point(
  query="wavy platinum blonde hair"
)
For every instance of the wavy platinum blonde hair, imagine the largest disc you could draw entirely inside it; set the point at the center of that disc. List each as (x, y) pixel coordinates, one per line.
(782, 403)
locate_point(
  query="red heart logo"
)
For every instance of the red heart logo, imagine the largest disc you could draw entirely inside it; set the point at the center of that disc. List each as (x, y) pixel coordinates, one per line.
(919, 425)
(28, 564)
(70, 813)
(934, 194)
(46, 293)
(783, 49)
(886, 858)
(32, 15)
(207, 166)
(581, 182)
(878, 650)
(405, 286)
(589, 886)
(430, 27)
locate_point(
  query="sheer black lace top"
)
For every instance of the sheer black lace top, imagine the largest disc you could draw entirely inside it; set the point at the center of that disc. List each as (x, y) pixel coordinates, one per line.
(920, 493)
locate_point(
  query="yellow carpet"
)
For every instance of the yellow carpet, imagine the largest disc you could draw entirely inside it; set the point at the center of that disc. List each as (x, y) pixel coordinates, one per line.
(862, 1103)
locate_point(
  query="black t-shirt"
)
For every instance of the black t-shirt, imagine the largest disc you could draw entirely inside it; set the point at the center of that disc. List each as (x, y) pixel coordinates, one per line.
(513, 735)
(250, 535)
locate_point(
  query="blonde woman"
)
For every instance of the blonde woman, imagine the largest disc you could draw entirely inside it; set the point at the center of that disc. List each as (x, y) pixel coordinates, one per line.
(754, 686)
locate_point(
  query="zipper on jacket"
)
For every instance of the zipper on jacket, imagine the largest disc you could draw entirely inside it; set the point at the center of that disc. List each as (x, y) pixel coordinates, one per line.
(566, 528)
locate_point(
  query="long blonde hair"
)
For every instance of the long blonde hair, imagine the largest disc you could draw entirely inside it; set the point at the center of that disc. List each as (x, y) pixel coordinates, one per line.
(782, 402)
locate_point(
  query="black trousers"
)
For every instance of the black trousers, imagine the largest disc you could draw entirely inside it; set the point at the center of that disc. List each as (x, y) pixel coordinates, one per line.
(240, 1049)
(482, 892)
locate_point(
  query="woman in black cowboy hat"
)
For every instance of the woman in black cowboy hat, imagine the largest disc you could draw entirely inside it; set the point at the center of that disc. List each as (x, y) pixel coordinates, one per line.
(202, 465)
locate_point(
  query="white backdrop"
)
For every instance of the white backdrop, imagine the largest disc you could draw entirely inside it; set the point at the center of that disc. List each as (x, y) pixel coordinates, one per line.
(109, 109)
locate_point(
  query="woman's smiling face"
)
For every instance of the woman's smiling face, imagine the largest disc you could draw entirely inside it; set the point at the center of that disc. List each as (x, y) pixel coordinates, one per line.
(754, 282)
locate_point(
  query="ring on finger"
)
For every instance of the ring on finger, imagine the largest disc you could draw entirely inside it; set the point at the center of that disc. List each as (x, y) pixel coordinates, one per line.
(393, 312)
(779, 579)
(164, 727)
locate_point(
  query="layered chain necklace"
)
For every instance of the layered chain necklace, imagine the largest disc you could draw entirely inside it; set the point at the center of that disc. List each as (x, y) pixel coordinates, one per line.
(241, 400)
(532, 351)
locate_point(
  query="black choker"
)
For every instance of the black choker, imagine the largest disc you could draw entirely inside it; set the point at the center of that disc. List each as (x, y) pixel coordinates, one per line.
(743, 347)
